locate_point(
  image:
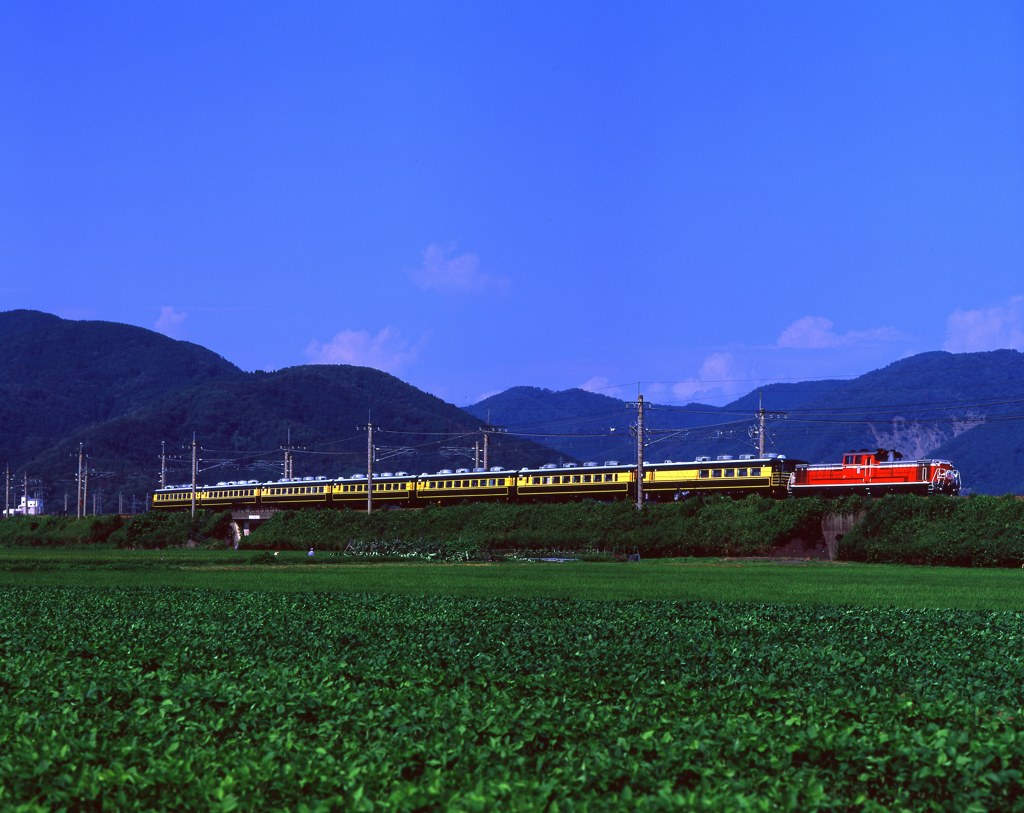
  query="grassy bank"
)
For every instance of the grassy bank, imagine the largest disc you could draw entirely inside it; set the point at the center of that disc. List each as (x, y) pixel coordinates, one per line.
(794, 582)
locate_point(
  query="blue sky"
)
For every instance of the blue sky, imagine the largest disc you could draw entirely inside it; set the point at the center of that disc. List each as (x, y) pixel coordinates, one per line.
(685, 198)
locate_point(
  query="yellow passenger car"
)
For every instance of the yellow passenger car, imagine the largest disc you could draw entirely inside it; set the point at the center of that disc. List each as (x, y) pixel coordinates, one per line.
(462, 485)
(610, 481)
(725, 474)
(296, 492)
(230, 495)
(174, 498)
(390, 489)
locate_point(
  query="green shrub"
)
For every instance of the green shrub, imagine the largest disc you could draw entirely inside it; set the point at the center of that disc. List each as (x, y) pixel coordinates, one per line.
(52, 530)
(978, 531)
(168, 530)
(715, 527)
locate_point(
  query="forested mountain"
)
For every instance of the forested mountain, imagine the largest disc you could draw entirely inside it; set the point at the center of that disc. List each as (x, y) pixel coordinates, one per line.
(125, 394)
(58, 376)
(967, 407)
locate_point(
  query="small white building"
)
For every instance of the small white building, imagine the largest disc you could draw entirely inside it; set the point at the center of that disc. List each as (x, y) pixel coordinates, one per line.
(28, 507)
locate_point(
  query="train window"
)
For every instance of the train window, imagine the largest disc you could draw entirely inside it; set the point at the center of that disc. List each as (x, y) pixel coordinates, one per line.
(476, 484)
(575, 478)
(716, 473)
(730, 472)
(741, 472)
(755, 472)
(586, 478)
(536, 481)
(703, 474)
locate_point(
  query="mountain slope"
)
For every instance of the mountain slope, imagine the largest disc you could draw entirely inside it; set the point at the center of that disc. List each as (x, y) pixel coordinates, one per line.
(125, 394)
(968, 407)
(57, 376)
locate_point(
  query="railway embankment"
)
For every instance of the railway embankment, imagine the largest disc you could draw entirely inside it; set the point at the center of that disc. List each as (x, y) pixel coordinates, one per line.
(979, 531)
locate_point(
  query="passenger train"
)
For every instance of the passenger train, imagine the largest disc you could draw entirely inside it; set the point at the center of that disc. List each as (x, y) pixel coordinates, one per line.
(771, 476)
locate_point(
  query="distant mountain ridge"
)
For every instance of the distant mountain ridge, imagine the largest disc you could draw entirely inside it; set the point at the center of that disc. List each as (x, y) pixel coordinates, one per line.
(967, 407)
(125, 393)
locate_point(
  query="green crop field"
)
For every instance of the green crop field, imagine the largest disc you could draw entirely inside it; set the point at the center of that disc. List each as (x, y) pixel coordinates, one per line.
(206, 680)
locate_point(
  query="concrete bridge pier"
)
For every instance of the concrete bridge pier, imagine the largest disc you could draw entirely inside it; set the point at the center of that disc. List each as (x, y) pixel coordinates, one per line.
(834, 527)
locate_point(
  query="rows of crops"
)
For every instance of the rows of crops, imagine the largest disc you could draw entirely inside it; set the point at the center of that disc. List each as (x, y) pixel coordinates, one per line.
(164, 698)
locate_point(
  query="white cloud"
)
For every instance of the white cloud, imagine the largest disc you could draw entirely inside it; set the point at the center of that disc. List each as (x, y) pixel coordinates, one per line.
(809, 332)
(386, 350)
(998, 328)
(169, 321)
(717, 376)
(816, 333)
(441, 271)
(595, 384)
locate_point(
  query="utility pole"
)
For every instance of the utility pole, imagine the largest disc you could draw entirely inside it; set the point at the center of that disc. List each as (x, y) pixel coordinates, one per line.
(195, 472)
(80, 497)
(762, 415)
(760, 426)
(369, 467)
(639, 452)
(163, 464)
(7, 492)
(487, 429)
(289, 458)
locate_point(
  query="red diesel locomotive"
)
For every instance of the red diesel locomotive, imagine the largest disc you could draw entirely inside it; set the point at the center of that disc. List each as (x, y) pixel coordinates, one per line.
(874, 474)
